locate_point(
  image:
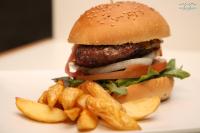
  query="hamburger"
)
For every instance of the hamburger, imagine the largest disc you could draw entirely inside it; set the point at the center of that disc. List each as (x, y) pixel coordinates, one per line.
(118, 45)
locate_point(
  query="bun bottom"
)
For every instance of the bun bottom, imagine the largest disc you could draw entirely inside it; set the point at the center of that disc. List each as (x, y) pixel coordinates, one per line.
(161, 87)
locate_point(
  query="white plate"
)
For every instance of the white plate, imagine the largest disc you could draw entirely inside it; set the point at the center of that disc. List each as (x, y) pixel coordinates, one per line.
(180, 113)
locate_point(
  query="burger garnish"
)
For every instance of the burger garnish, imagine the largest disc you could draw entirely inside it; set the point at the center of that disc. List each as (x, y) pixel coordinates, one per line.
(119, 86)
(118, 45)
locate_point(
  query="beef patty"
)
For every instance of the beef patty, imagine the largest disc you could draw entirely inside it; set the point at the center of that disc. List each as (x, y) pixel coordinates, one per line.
(100, 55)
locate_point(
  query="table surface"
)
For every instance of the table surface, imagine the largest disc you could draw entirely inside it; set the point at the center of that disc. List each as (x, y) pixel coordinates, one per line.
(45, 54)
(46, 59)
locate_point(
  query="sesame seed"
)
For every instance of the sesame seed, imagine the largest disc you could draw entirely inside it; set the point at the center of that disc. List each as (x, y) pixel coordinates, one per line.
(129, 14)
(141, 12)
(151, 9)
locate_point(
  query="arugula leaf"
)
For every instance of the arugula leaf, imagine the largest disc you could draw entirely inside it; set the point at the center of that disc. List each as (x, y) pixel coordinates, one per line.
(151, 73)
(126, 82)
(103, 83)
(171, 64)
(172, 71)
(178, 73)
(75, 82)
(69, 82)
(113, 88)
(119, 86)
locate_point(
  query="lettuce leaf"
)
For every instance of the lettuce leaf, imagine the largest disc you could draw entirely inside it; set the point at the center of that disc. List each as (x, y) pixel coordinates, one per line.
(172, 71)
(178, 73)
(113, 88)
(119, 86)
(69, 82)
(126, 82)
(171, 64)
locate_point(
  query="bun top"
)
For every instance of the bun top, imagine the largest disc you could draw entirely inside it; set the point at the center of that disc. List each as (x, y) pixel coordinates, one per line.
(118, 23)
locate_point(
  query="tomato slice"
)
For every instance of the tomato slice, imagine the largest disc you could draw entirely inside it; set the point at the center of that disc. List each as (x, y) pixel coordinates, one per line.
(134, 71)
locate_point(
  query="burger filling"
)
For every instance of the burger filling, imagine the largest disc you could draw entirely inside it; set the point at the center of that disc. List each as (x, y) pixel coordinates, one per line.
(117, 66)
(100, 55)
(96, 59)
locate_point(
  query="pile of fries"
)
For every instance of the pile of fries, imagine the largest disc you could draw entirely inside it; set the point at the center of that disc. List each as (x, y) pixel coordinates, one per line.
(86, 105)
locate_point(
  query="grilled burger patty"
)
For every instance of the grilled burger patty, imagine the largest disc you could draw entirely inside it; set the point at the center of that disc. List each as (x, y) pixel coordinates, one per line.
(100, 55)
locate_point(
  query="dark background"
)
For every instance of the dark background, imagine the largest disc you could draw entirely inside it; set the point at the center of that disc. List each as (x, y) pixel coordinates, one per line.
(24, 21)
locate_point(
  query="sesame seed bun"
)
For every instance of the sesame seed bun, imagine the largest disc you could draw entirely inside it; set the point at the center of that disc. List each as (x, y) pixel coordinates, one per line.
(161, 87)
(118, 23)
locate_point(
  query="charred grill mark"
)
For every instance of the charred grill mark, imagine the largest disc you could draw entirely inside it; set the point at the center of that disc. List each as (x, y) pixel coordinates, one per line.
(100, 55)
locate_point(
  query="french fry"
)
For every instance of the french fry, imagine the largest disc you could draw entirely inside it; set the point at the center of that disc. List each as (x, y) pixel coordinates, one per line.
(53, 94)
(97, 91)
(43, 98)
(81, 101)
(87, 121)
(73, 113)
(111, 114)
(139, 109)
(69, 96)
(40, 112)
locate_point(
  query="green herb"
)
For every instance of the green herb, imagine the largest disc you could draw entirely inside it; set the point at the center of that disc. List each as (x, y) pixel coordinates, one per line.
(178, 73)
(113, 88)
(126, 82)
(119, 86)
(75, 82)
(171, 64)
(69, 82)
(172, 71)
(151, 74)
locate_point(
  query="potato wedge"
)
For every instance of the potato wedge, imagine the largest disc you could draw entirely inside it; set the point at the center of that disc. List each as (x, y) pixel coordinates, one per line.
(139, 109)
(111, 114)
(43, 98)
(73, 113)
(81, 101)
(40, 112)
(53, 94)
(82, 87)
(87, 121)
(97, 91)
(69, 96)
